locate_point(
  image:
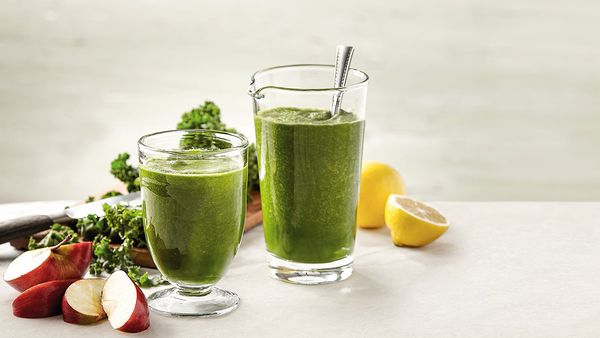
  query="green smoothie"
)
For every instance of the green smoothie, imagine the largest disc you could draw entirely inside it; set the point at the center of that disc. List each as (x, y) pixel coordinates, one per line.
(309, 168)
(194, 213)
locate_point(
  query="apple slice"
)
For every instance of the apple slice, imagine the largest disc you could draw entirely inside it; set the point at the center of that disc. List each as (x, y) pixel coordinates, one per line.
(125, 304)
(42, 300)
(82, 303)
(46, 264)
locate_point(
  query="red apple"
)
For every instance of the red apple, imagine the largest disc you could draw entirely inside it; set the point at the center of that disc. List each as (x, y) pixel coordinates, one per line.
(82, 302)
(46, 264)
(42, 300)
(125, 304)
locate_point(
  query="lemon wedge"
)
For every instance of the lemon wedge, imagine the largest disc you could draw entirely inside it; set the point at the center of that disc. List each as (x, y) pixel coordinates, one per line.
(413, 223)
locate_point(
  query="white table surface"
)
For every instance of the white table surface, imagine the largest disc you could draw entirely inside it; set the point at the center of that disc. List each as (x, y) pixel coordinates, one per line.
(503, 269)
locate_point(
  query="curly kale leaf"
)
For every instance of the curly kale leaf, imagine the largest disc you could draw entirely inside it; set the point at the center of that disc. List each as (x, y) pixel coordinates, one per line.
(111, 193)
(144, 279)
(91, 226)
(56, 235)
(206, 116)
(125, 172)
(119, 223)
(106, 258)
(126, 223)
(109, 258)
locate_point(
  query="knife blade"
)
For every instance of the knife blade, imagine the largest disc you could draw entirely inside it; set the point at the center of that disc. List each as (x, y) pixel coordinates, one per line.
(29, 225)
(82, 210)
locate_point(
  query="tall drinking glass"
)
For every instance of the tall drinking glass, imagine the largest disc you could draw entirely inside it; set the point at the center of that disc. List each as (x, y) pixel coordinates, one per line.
(193, 186)
(309, 169)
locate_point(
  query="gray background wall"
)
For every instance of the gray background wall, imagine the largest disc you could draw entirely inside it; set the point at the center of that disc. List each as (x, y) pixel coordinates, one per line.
(469, 100)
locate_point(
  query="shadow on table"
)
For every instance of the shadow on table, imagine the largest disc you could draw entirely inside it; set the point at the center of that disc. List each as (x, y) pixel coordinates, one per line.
(358, 286)
(439, 249)
(434, 254)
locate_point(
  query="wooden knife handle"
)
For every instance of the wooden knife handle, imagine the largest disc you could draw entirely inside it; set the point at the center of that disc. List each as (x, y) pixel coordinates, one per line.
(23, 226)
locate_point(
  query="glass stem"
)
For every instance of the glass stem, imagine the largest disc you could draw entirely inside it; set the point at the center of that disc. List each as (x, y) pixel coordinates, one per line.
(194, 292)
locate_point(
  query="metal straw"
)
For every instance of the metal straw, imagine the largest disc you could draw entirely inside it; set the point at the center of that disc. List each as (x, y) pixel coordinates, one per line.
(342, 66)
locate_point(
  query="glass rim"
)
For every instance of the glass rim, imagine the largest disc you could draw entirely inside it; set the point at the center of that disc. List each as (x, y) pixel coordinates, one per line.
(242, 146)
(359, 84)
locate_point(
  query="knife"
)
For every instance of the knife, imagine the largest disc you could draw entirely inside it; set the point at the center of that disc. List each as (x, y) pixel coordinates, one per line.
(29, 225)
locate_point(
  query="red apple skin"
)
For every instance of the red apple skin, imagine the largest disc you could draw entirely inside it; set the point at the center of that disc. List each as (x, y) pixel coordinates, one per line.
(70, 315)
(140, 318)
(66, 262)
(42, 300)
(74, 317)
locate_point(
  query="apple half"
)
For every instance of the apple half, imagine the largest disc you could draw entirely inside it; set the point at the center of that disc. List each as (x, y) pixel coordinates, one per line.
(53, 263)
(125, 304)
(82, 302)
(42, 300)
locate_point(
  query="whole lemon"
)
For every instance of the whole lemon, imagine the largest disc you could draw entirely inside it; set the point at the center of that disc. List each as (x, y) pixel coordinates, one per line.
(377, 182)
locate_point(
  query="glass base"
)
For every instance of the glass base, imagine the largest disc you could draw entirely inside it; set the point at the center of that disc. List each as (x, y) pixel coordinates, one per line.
(310, 273)
(177, 302)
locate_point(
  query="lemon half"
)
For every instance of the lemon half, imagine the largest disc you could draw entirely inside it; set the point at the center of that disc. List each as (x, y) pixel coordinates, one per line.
(413, 223)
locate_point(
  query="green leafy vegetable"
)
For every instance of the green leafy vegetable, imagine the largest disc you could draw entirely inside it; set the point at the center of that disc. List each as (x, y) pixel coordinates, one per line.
(206, 116)
(111, 193)
(119, 224)
(126, 223)
(91, 226)
(56, 235)
(144, 279)
(125, 172)
(108, 259)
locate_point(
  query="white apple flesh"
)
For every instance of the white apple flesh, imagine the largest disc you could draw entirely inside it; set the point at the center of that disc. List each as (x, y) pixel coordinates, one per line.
(54, 263)
(125, 304)
(82, 302)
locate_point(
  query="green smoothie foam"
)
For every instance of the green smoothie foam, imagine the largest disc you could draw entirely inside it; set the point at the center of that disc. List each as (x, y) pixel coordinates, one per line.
(309, 168)
(194, 213)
